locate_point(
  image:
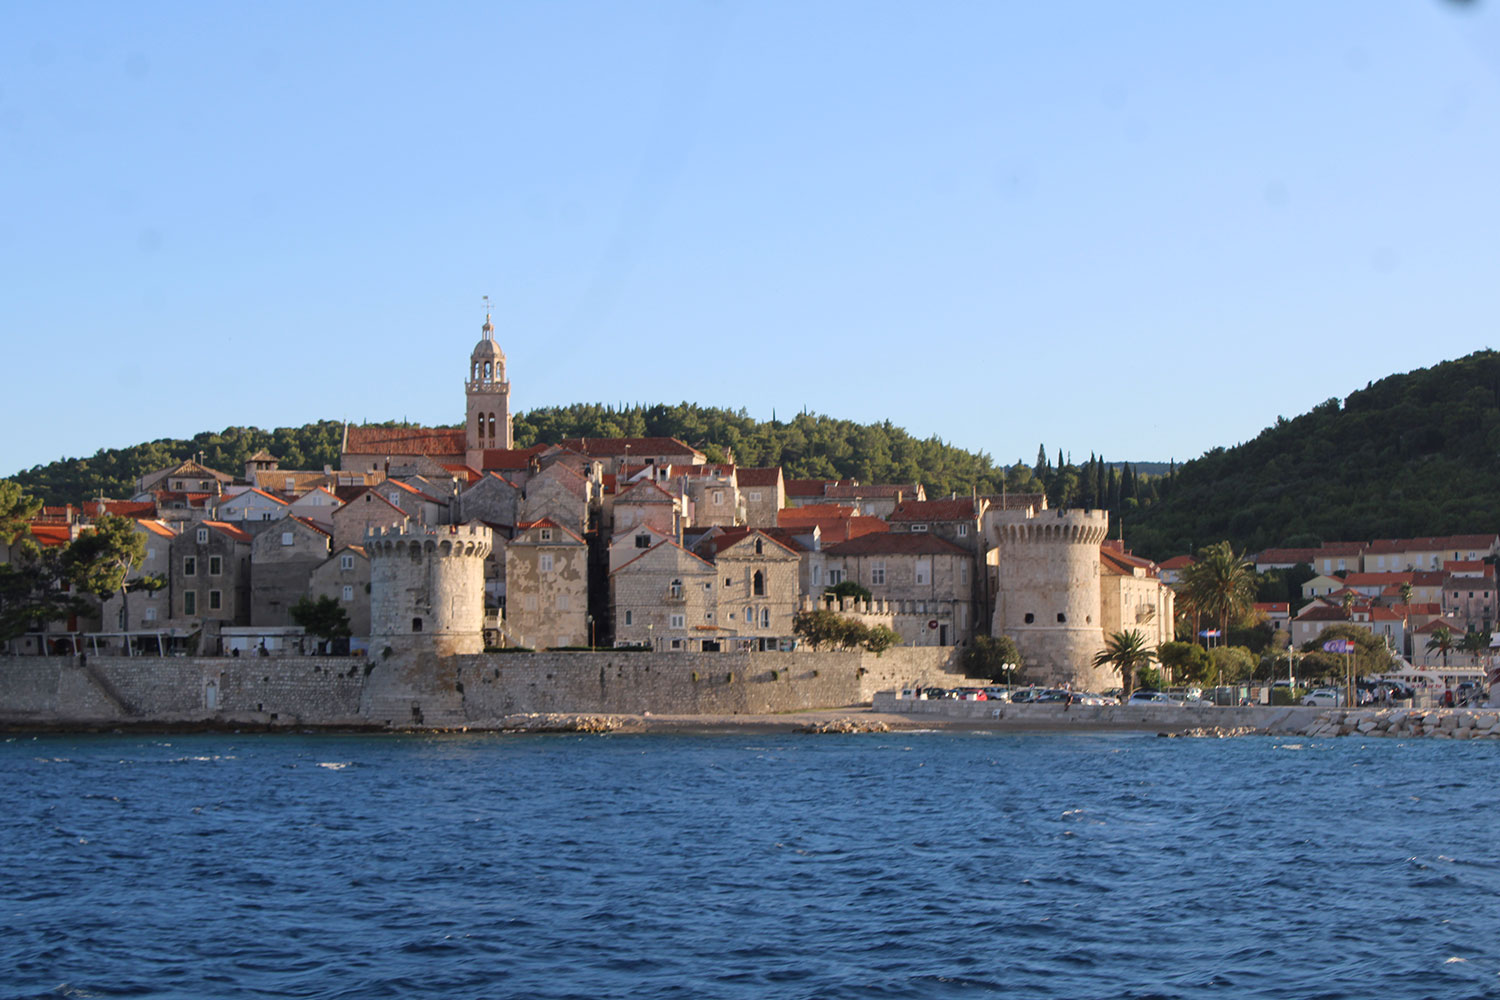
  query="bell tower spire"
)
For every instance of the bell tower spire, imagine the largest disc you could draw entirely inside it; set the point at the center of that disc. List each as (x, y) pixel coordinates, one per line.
(487, 421)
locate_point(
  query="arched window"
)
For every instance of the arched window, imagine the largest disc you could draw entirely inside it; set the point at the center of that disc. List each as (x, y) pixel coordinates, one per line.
(758, 584)
(474, 375)
(479, 419)
(758, 550)
(492, 426)
(416, 624)
(486, 371)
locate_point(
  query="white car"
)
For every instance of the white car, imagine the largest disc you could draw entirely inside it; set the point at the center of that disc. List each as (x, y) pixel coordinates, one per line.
(1324, 696)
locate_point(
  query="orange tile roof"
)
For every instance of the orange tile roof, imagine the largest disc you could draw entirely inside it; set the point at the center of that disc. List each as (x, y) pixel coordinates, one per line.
(962, 509)
(1178, 562)
(733, 536)
(237, 534)
(442, 441)
(157, 528)
(620, 447)
(1271, 607)
(813, 487)
(514, 459)
(1432, 543)
(310, 524)
(882, 490)
(466, 473)
(759, 477)
(547, 522)
(50, 535)
(1124, 562)
(1014, 501)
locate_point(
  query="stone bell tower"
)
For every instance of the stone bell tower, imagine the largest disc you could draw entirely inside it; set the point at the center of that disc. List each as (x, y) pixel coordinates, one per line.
(487, 420)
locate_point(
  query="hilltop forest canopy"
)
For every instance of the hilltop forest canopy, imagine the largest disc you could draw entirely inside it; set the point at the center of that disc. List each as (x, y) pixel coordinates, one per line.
(808, 446)
(1408, 456)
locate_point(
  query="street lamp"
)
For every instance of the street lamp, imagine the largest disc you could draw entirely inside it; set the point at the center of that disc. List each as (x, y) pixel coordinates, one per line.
(590, 620)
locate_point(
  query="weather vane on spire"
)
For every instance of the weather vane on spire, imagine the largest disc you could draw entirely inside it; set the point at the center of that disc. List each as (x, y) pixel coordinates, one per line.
(486, 306)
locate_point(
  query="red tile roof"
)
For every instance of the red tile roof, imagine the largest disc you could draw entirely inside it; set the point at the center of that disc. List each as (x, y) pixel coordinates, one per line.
(881, 490)
(733, 536)
(237, 534)
(1273, 556)
(1322, 613)
(613, 447)
(157, 528)
(441, 441)
(547, 522)
(1436, 543)
(963, 509)
(1124, 562)
(1014, 501)
(759, 477)
(310, 524)
(512, 459)
(813, 487)
(897, 543)
(49, 535)
(1469, 567)
(1270, 607)
(464, 473)
(1178, 562)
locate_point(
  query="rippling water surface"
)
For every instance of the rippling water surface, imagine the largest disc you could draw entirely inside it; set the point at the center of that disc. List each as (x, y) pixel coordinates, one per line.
(894, 865)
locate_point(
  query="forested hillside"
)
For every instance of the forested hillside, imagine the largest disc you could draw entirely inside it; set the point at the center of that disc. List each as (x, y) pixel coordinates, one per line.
(1413, 454)
(807, 446)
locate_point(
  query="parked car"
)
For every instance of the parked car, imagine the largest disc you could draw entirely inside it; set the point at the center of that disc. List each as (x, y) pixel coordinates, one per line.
(1145, 697)
(971, 694)
(912, 694)
(1324, 696)
(998, 693)
(1023, 695)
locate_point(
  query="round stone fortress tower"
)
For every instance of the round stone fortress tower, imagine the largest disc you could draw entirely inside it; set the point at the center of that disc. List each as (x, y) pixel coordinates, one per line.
(1047, 598)
(427, 587)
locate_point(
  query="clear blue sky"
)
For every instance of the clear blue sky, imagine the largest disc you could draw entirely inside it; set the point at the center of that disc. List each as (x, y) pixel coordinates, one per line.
(1143, 229)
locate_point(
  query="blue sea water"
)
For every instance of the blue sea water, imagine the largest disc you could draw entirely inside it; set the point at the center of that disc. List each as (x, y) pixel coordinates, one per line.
(879, 865)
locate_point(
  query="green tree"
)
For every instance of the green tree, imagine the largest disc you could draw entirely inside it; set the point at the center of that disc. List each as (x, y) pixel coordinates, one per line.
(324, 618)
(1126, 652)
(879, 638)
(1184, 661)
(16, 511)
(828, 628)
(1441, 641)
(101, 560)
(1221, 585)
(1475, 644)
(33, 591)
(988, 656)
(848, 589)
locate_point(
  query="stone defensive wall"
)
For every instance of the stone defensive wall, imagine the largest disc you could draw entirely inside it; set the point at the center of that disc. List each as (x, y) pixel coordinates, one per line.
(475, 691)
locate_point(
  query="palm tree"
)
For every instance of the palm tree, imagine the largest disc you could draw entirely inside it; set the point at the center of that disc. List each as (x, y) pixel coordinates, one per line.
(1406, 592)
(1221, 584)
(1442, 641)
(1126, 651)
(1475, 643)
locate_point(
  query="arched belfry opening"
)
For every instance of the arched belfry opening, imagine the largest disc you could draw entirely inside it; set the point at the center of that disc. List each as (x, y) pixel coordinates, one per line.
(487, 397)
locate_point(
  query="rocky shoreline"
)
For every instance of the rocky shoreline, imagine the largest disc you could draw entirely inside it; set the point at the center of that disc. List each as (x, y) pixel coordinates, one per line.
(1408, 723)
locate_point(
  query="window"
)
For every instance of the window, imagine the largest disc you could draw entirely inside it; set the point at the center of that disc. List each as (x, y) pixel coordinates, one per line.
(1062, 618)
(190, 602)
(817, 576)
(630, 618)
(202, 536)
(749, 616)
(546, 534)
(265, 515)
(677, 621)
(765, 617)
(1030, 618)
(758, 584)
(416, 624)
(530, 602)
(759, 550)
(963, 531)
(150, 614)
(150, 554)
(564, 602)
(545, 563)
(755, 496)
(877, 572)
(963, 572)
(835, 577)
(190, 567)
(919, 527)
(718, 497)
(346, 562)
(643, 541)
(286, 538)
(289, 484)
(924, 571)
(348, 592)
(215, 600)
(215, 565)
(675, 588)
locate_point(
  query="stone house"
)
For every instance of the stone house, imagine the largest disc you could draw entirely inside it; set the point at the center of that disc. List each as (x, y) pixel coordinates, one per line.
(711, 492)
(423, 508)
(926, 580)
(210, 577)
(763, 494)
(317, 505)
(281, 564)
(345, 577)
(493, 499)
(1321, 586)
(874, 499)
(1132, 596)
(757, 584)
(664, 598)
(148, 609)
(613, 453)
(560, 494)
(546, 586)
(1469, 599)
(958, 520)
(365, 510)
(644, 504)
(628, 544)
(375, 449)
(1339, 557)
(185, 477)
(251, 505)
(1427, 553)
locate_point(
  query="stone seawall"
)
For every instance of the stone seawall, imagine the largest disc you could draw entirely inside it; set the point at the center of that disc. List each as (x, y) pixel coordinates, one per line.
(1159, 718)
(478, 690)
(424, 690)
